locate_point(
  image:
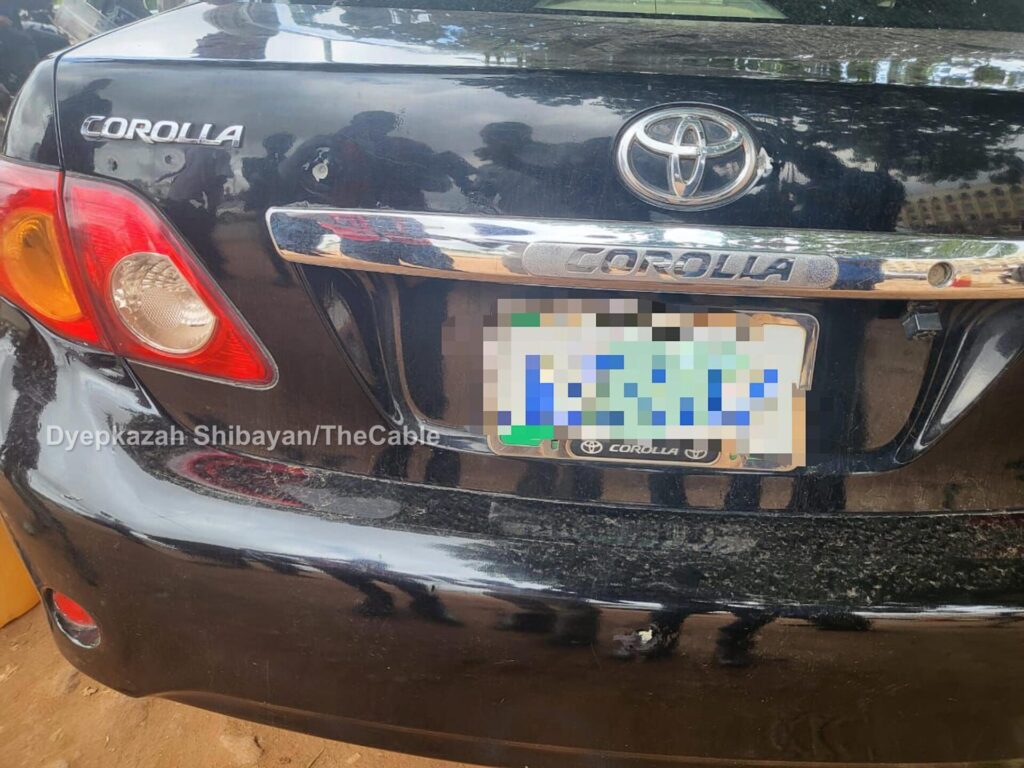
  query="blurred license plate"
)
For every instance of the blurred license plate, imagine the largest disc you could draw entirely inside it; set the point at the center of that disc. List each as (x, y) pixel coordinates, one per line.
(628, 380)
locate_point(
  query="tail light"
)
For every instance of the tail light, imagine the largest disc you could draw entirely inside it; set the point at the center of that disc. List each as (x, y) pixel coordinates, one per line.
(97, 264)
(159, 305)
(36, 272)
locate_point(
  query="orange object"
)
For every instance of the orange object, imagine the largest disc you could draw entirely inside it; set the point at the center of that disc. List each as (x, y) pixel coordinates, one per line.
(37, 270)
(17, 592)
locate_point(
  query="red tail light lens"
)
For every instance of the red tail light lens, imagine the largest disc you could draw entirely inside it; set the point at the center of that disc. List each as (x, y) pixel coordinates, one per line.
(37, 269)
(101, 266)
(161, 306)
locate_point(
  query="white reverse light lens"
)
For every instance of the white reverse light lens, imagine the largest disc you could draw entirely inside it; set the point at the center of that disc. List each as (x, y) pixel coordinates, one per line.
(157, 304)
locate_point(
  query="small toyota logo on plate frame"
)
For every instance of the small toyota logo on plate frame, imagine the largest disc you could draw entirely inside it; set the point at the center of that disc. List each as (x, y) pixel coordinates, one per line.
(689, 157)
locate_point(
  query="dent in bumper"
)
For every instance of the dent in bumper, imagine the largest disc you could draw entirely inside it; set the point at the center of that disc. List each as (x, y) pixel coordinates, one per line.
(498, 629)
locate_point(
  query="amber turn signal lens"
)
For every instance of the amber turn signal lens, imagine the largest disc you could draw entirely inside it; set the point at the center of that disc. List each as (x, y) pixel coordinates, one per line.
(32, 259)
(38, 272)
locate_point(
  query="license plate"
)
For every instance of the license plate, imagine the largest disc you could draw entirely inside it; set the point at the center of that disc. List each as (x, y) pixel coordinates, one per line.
(628, 380)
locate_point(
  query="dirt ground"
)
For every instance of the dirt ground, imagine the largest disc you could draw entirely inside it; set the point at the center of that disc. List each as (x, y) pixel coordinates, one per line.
(52, 716)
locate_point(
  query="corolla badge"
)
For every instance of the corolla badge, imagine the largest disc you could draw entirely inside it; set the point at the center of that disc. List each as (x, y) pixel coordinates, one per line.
(103, 128)
(690, 157)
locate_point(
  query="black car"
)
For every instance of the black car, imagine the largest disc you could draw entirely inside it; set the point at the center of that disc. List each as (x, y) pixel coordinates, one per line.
(533, 383)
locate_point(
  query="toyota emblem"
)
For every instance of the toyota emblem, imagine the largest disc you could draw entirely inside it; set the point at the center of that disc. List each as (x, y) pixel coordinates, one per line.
(690, 157)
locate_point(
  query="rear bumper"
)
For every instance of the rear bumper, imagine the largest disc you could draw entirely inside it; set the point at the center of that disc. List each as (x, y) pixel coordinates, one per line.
(503, 630)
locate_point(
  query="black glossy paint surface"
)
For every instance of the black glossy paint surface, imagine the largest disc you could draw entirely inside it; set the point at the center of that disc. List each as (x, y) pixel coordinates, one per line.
(501, 630)
(513, 611)
(921, 14)
(538, 144)
(31, 126)
(298, 35)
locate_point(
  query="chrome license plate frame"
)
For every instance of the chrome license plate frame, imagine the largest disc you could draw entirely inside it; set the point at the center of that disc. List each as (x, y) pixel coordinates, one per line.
(568, 334)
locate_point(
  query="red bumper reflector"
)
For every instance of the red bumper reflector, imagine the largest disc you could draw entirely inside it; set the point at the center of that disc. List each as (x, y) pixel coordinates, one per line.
(72, 611)
(73, 620)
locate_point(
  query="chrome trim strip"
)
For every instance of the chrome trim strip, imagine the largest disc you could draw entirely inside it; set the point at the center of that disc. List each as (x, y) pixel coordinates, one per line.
(651, 256)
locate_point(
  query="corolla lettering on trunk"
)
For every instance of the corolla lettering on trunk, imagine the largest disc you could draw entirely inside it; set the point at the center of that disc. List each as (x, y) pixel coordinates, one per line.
(689, 264)
(741, 267)
(103, 128)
